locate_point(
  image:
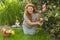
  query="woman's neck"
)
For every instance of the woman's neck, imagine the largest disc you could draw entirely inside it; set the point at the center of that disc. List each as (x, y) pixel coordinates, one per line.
(32, 14)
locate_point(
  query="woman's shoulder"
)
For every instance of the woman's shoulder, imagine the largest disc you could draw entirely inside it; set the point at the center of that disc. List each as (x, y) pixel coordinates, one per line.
(36, 14)
(24, 14)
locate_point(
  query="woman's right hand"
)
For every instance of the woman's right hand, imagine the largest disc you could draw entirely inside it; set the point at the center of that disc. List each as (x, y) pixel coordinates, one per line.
(39, 23)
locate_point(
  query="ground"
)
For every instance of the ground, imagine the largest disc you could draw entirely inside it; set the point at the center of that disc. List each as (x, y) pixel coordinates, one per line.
(19, 35)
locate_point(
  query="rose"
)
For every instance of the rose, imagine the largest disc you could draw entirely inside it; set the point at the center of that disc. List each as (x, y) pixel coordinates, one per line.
(56, 14)
(4, 31)
(44, 9)
(40, 11)
(38, 19)
(44, 6)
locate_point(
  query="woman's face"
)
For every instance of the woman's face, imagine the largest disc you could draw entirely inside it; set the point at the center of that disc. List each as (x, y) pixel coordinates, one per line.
(30, 9)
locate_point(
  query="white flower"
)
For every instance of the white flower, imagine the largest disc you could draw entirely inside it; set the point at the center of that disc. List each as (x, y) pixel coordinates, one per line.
(54, 6)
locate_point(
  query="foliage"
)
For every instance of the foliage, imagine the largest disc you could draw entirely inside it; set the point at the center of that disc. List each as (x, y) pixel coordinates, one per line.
(10, 11)
(52, 26)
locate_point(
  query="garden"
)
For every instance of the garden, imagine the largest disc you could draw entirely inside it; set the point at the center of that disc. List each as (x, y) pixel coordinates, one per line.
(11, 11)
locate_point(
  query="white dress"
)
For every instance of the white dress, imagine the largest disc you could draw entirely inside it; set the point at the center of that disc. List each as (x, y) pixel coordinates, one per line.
(28, 29)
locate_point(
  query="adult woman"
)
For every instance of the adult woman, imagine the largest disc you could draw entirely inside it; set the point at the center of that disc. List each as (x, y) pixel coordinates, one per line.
(30, 23)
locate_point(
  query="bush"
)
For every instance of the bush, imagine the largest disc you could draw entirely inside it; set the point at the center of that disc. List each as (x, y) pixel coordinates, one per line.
(10, 11)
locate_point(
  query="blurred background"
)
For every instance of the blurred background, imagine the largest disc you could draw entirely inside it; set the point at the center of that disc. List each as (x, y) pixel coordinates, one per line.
(12, 10)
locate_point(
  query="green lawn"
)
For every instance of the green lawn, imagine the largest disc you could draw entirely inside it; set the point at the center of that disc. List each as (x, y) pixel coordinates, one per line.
(20, 36)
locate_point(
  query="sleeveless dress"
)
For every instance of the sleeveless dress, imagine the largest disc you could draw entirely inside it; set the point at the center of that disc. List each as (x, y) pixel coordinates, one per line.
(28, 29)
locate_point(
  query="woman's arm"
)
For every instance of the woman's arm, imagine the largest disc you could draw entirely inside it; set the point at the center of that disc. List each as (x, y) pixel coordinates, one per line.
(32, 23)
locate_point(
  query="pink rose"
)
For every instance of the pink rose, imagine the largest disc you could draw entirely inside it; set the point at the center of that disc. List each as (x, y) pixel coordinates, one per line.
(44, 6)
(44, 9)
(40, 12)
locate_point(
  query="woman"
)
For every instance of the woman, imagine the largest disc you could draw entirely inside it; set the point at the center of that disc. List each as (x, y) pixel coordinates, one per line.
(30, 23)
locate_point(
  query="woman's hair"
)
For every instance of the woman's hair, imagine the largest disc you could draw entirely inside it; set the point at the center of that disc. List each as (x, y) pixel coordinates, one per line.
(27, 13)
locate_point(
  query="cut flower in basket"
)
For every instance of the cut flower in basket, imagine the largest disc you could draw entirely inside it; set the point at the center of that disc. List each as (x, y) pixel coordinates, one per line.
(7, 32)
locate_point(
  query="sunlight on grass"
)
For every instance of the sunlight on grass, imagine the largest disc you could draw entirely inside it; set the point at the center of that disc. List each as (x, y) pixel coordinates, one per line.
(20, 36)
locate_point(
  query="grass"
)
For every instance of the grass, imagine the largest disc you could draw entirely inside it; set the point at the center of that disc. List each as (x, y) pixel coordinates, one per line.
(19, 35)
